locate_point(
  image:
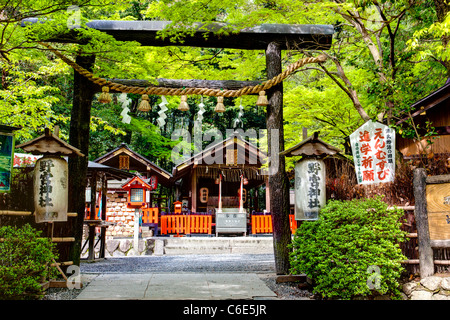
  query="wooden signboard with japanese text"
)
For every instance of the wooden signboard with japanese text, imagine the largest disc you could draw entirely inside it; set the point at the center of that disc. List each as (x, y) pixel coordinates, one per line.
(373, 148)
(438, 207)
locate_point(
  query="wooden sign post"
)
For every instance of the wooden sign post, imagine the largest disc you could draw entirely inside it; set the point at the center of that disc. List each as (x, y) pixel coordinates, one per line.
(432, 213)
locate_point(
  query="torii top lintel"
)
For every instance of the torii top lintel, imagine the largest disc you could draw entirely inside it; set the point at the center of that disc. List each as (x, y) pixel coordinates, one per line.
(288, 36)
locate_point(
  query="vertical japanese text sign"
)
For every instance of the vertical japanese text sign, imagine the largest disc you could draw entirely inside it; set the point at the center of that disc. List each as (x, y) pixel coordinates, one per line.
(309, 189)
(373, 148)
(6, 160)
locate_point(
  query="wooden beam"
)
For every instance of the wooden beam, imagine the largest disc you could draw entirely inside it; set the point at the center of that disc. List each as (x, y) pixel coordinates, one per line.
(63, 239)
(440, 243)
(438, 179)
(14, 213)
(421, 215)
(291, 278)
(192, 83)
(148, 33)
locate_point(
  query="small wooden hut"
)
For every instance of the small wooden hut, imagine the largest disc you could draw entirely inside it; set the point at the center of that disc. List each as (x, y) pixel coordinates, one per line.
(434, 109)
(124, 158)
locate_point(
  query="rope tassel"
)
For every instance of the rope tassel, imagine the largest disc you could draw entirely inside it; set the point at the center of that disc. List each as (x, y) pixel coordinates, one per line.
(144, 105)
(220, 106)
(183, 104)
(262, 99)
(105, 97)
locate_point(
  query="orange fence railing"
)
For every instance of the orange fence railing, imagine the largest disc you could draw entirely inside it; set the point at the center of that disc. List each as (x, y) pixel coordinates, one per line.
(173, 224)
(150, 215)
(261, 224)
(292, 223)
(182, 224)
(197, 223)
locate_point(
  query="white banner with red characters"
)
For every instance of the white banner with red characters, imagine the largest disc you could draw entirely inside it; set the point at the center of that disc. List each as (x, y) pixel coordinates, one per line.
(373, 147)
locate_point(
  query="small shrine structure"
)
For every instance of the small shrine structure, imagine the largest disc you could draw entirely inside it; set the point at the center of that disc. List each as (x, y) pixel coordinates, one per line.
(211, 187)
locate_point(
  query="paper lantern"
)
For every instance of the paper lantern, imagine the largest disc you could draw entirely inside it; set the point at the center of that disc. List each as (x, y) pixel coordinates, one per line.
(310, 193)
(50, 189)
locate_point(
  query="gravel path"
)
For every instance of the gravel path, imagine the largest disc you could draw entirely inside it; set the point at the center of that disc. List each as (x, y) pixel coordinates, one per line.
(261, 264)
(256, 263)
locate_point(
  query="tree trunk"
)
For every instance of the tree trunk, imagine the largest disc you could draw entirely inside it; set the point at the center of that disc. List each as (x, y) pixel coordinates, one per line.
(79, 138)
(278, 182)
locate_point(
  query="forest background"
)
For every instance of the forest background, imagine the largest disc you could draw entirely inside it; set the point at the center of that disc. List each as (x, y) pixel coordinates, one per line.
(385, 56)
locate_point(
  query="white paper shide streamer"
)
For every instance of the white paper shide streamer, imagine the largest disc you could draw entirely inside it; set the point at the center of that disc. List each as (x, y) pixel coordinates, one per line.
(125, 102)
(238, 120)
(162, 112)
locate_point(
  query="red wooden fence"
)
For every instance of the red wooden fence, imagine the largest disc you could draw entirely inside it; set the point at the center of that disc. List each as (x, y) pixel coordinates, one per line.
(150, 215)
(263, 224)
(186, 224)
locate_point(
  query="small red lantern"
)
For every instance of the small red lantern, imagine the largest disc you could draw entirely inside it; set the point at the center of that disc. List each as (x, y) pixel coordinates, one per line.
(136, 188)
(153, 182)
(177, 206)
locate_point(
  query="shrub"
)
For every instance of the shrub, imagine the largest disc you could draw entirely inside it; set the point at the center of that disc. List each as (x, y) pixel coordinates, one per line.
(24, 262)
(352, 249)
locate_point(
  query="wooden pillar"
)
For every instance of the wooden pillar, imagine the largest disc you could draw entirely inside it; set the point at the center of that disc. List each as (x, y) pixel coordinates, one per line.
(194, 191)
(83, 94)
(103, 210)
(278, 182)
(92, 216)
(426, 263)
(93, 184)
(267, 196)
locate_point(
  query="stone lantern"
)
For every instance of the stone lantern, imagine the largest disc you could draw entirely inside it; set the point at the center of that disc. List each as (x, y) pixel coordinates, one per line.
(50, 177)
(310, 176)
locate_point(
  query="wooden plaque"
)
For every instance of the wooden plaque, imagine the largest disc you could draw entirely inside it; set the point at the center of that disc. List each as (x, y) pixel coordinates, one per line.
(438, 207)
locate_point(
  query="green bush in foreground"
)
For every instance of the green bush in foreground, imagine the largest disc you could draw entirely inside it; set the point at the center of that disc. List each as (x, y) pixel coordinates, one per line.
(25, 258)
(351, 250)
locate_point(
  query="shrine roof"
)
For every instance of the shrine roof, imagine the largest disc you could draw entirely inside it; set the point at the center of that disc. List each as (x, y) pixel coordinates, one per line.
(311, 146)
(137, 162)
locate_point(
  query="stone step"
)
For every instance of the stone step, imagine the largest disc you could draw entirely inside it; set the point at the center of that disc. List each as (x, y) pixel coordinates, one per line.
(186, 245)
(219, 245)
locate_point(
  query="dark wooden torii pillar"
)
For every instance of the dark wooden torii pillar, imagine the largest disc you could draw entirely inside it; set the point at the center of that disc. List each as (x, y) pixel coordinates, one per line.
(273, 38)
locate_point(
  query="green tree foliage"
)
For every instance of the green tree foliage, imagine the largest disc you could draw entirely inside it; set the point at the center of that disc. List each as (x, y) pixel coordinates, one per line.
(371, 73)
(25, 260)
(351, 250)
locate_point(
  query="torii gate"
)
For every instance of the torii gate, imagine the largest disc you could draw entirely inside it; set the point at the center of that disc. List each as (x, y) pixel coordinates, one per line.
(273, 38)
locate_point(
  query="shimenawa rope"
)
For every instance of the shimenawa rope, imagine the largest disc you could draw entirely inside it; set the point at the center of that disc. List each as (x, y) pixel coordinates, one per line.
(187, 91)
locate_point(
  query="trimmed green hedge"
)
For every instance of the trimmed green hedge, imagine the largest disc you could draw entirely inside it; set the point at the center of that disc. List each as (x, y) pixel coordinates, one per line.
(25, 258)
(352, 250)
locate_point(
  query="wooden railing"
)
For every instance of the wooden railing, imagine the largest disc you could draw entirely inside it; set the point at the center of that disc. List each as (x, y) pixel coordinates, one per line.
(197, 223)
(186, 224)
(263, 224)
(150, 215)
(292, 223)
(173, 224)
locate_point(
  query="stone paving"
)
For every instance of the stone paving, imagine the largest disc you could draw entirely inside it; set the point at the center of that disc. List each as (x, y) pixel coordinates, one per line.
(176, 286)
